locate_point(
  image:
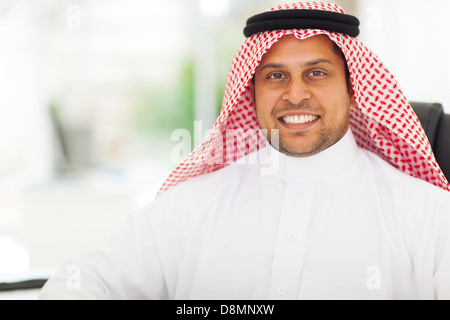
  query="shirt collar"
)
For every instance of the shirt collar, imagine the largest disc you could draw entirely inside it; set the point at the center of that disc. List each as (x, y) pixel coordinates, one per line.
(325, 164)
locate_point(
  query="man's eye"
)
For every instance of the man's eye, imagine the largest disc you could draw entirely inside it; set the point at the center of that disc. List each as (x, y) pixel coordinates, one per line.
(276, 76)
(316, 73)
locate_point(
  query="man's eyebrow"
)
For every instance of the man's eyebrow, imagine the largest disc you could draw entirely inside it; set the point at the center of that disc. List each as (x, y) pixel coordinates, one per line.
(317, 61)
(273, 66)
(306, 64)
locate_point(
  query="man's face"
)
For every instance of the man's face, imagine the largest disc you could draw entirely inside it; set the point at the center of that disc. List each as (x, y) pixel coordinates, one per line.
(300, 88)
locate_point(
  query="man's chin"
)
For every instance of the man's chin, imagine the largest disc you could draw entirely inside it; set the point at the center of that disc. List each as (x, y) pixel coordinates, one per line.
(299, 151)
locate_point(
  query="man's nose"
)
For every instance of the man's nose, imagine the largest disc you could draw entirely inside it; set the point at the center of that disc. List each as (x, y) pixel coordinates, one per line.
(296, 91)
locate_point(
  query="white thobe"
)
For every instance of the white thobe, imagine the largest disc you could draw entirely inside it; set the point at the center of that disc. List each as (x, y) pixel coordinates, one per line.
(342, 224)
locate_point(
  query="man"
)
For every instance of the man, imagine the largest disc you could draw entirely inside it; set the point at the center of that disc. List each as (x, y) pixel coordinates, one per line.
(336, 196)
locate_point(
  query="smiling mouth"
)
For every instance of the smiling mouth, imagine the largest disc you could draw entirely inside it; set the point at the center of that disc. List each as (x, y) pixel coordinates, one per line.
(299, 119)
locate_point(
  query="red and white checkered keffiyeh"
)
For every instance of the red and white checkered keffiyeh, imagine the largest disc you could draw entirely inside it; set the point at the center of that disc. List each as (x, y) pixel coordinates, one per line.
(383, 121)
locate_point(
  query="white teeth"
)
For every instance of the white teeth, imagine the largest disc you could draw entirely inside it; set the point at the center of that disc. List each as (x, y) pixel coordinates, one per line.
(299, 119)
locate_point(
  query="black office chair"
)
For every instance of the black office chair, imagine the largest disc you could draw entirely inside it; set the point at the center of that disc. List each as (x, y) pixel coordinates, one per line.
(436, 124)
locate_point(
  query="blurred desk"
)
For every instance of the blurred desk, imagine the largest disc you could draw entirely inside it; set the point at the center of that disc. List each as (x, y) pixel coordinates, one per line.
(60, 221)
(29, 294)
(53, 222)
(23, 286)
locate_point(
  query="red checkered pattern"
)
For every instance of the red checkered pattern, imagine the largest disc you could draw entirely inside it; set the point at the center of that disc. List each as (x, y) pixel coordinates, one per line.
(383, 122)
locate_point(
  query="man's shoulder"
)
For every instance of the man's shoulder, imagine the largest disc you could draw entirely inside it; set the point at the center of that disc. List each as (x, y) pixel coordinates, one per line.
(387, 174)
(231, 176)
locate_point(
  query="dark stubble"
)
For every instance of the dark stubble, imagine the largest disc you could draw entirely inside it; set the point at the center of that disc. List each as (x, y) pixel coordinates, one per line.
(327, 136)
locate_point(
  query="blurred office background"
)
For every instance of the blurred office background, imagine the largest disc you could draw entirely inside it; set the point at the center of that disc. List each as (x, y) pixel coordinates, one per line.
(91, 92)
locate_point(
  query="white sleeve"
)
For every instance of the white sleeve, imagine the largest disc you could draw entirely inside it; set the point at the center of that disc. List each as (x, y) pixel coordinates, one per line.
(129, 267)
(442, 270)
(442, 279)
